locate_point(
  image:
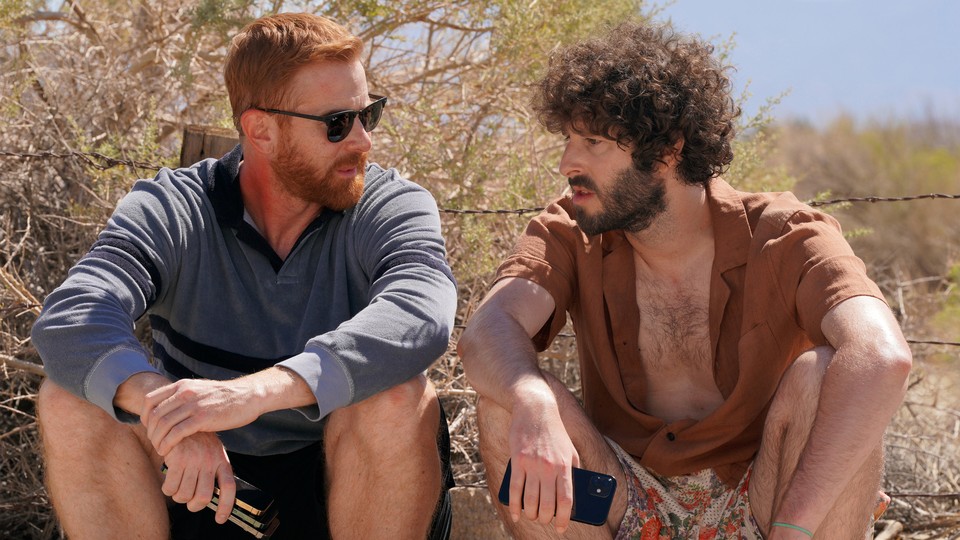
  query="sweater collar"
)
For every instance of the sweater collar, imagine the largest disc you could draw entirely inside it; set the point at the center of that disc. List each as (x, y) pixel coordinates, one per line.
(224, 190)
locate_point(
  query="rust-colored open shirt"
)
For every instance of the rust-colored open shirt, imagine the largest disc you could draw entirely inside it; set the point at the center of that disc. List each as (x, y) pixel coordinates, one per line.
(779, 267)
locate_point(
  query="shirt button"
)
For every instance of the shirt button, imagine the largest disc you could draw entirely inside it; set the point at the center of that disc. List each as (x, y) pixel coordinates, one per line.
(671, 436)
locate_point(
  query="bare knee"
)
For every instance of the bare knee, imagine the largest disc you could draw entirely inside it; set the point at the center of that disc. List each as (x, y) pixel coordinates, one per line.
(492, 419)
(403, 402)
(78, 429)
(406, 413)
(54, 401)
(411, 395)
(494, 423)
(59, 410)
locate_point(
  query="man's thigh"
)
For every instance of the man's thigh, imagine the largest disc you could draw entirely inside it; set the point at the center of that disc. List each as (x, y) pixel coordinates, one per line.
(96, 466)
(786, 429)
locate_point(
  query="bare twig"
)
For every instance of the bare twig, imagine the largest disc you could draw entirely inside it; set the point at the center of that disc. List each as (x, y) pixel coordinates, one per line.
(21, 365)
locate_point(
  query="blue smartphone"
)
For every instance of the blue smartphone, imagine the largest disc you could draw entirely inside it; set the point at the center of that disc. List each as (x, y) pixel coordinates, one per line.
(592, 495)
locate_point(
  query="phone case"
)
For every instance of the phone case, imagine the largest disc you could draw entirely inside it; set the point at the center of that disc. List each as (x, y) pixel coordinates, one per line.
(253, 509)
(592, 495)
(250, 498)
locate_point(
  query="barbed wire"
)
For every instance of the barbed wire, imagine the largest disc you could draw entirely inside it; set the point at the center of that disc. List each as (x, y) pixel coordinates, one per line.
(94, 159)
(884, 199)
(104, 162)
(843, 200)
(924, 494)
(517, 211)
(933, 342)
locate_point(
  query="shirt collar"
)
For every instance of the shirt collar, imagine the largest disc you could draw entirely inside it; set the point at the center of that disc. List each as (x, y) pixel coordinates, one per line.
(731, 228)
(224, 190)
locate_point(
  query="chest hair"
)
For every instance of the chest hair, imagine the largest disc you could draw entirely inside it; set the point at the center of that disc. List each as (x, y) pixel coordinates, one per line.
(674, 327)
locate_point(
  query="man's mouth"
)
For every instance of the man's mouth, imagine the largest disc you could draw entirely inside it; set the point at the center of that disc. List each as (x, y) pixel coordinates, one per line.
(350, 165)
(579, 193)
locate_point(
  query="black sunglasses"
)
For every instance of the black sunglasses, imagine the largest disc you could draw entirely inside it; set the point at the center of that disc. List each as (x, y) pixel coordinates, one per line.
(340, 123)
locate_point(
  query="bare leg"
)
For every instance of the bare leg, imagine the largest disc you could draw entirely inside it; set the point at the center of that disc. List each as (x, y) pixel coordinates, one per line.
(383, 467)
(102, 476)
(785, 434)
(595, 454)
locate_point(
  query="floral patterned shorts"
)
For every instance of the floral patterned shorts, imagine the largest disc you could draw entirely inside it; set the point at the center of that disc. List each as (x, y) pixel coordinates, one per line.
(696, 506)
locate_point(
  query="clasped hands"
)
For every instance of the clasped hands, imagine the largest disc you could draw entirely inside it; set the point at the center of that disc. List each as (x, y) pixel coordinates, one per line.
(181, 420)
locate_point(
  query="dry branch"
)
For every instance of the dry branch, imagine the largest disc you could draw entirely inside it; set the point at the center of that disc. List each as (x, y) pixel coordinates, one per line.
(29, 367)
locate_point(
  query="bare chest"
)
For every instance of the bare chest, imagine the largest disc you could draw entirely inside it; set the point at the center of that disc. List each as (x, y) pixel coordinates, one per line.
(674, 325)
(675, 348)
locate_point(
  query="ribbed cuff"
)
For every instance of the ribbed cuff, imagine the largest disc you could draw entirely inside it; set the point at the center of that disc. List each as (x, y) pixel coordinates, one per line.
(100, 387)
(326, 377)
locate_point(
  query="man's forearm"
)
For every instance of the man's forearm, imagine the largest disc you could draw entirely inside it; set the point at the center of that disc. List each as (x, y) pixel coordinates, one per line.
(499, 359)
(279, 388)
(130, 394)
(175, 411)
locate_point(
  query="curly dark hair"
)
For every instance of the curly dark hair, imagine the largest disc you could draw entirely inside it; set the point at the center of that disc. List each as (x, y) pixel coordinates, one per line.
(646, 85)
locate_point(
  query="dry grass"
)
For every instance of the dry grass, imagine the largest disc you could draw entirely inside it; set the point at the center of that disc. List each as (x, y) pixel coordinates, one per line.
(24, 509)
(923, 455)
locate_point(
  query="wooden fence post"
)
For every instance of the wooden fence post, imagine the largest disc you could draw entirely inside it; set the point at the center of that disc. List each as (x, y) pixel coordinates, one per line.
(201, 142)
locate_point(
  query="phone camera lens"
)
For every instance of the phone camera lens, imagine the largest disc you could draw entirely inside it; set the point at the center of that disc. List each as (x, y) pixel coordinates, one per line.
(600, 486)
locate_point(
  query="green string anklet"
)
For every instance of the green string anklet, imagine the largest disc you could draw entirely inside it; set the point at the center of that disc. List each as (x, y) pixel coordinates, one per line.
(794, 527)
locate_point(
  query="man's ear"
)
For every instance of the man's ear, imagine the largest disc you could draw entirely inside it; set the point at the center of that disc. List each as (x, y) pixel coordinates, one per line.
(261, 131)
(670, 158)
(673, 154)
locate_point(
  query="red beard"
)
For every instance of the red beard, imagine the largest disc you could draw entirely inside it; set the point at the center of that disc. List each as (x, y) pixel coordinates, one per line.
(301, 179)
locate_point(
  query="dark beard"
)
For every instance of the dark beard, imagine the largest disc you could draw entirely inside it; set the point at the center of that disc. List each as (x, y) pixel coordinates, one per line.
(300, 179)
(631, 205)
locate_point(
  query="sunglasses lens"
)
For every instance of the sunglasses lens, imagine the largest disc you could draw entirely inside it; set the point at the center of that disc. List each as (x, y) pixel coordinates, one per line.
(338, 125)
(370, 116)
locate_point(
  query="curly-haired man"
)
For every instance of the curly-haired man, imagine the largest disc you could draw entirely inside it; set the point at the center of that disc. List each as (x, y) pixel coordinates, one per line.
(738, 366)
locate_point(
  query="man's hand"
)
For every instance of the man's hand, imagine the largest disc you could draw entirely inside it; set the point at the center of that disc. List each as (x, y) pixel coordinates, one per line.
(542, 456)
(189, 406)
(193, 466)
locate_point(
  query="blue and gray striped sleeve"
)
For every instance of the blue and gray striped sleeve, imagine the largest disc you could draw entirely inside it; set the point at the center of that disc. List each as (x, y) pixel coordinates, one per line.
(85, 332)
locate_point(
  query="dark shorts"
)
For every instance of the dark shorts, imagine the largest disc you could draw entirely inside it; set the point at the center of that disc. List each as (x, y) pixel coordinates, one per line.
(296, 482)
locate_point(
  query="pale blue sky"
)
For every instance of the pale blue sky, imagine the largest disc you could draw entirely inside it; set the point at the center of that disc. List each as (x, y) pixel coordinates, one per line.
(873, 59)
